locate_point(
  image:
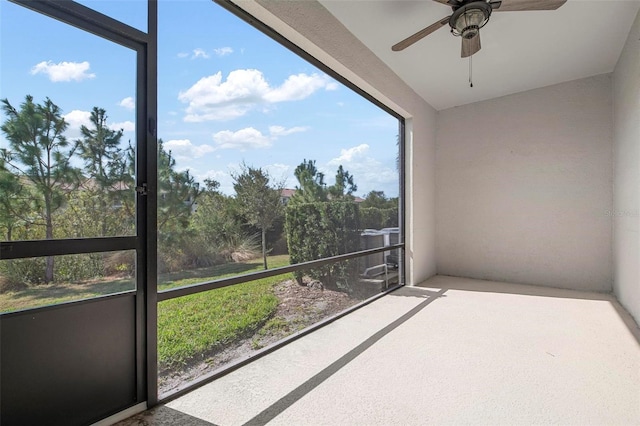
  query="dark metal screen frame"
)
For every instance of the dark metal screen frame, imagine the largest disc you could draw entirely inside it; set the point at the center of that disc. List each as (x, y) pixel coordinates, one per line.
(148, 166)
(145, 47)
(401, 198)
(87, 19)
(41, 248)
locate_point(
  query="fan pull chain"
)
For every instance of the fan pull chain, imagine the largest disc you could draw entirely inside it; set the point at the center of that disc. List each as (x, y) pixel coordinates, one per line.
(471, 70)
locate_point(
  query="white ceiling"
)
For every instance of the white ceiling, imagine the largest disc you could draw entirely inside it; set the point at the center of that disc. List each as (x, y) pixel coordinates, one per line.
(520, 50)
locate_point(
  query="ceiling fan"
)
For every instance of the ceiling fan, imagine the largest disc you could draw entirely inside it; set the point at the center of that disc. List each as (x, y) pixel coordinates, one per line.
(471, 15)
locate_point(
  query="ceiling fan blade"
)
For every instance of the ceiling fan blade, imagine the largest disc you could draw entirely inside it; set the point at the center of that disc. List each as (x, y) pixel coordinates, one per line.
(448, 2)
(470, 46)
(419, 35)
(521, 5)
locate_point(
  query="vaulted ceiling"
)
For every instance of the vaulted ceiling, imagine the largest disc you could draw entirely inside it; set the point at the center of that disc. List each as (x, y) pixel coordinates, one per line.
(520, 50)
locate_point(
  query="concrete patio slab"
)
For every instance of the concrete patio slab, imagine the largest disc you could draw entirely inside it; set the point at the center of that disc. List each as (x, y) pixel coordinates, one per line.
(451, 351)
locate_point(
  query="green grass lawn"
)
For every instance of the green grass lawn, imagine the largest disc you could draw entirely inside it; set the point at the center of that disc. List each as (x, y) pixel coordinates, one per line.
(53, 294)
(195, 276)
(192, 325)
(187, 326)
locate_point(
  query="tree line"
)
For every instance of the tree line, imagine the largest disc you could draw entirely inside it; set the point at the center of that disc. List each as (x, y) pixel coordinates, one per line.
(52, 186)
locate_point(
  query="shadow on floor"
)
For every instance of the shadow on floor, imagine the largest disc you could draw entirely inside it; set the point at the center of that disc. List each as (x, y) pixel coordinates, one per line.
(289, 399)
(421, 292)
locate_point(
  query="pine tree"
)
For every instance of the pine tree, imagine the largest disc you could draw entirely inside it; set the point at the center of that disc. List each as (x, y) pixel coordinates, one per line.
(105, 166)
(15, 204)
(40, 153)
(344, 186)
(177, 193)
(311, 187)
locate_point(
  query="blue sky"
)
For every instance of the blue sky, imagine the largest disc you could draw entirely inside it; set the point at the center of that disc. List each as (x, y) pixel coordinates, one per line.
(227, 93)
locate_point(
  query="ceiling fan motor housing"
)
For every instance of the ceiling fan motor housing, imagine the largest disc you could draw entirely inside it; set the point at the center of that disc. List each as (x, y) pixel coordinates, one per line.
(467, 19)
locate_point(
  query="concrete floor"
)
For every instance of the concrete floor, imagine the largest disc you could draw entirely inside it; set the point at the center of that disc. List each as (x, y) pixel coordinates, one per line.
(452, 351)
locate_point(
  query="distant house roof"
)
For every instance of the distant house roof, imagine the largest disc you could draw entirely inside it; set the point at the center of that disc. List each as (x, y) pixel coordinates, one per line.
(287, 193)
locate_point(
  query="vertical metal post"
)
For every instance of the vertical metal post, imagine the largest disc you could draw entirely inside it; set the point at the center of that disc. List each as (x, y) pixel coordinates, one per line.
(401, 201)
(150, 170)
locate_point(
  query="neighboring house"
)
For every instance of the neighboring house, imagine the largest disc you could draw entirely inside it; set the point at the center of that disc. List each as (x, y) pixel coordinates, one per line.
(286, 194)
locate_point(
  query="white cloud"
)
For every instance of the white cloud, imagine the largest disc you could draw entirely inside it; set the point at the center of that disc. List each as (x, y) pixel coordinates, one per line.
(128, 103)
(64, 71)
(281, 173)
(223, 51)
(348, 155)
(183, 149)
(277, 131)
(211, 98)
(277, 169)
(369, 173)
(218, 175)
(76, 119)
(199, 53)
(248, 138)
(298, 87)
(195, 54)
(127, 126)
(223, 178)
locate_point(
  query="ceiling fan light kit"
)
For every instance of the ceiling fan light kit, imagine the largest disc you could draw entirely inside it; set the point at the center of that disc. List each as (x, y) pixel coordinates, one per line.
(467, 20)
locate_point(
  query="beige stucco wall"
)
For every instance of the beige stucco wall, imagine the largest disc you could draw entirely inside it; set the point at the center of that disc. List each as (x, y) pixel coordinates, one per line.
(626, 213)
(523, 184)
(310, 26)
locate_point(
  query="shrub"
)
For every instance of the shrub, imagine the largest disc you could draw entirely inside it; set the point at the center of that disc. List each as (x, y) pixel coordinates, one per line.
(377, 218)
(320, 230)
(19, 272)
(79, 267)
(244, 248)
(120, 263)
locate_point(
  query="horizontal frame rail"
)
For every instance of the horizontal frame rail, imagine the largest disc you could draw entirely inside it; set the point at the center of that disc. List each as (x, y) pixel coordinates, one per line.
(40, 248)
(226, 282)
(85, 18)
(39, 309)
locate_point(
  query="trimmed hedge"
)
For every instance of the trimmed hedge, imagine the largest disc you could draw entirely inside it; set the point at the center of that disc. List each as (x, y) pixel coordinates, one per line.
(320, 230)
(376, 218)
